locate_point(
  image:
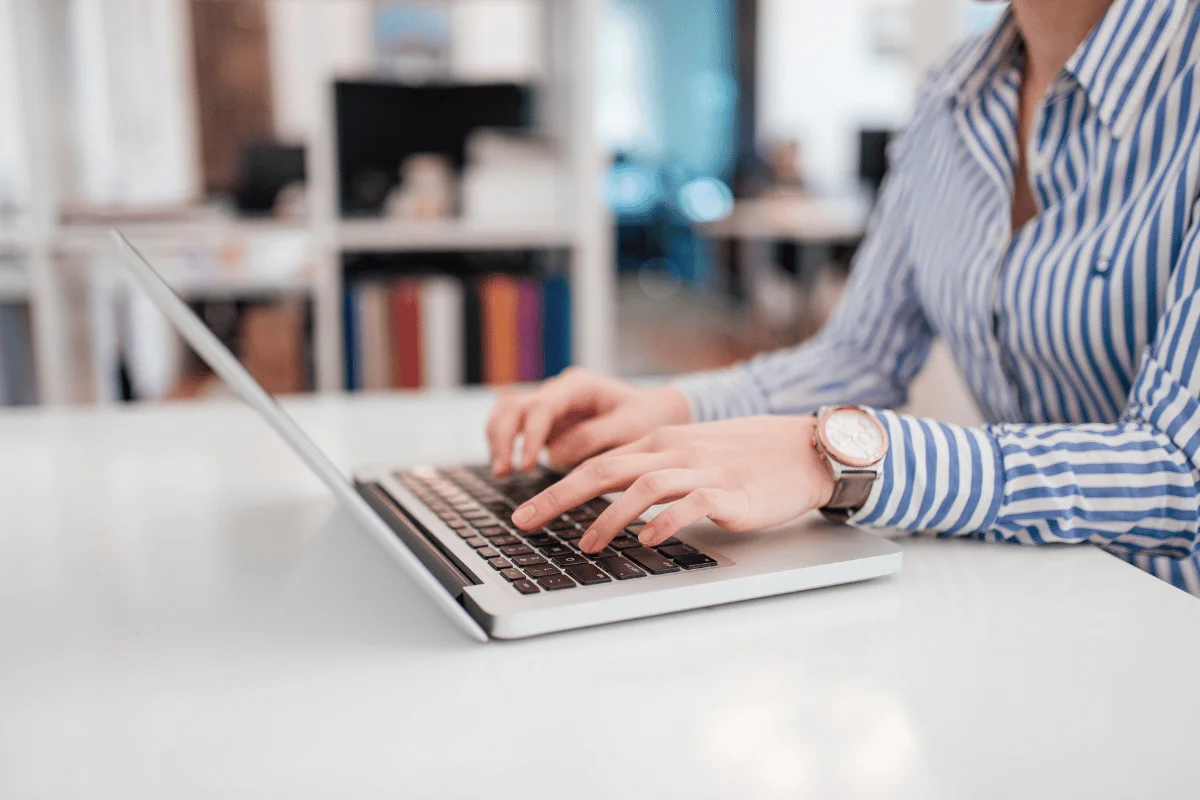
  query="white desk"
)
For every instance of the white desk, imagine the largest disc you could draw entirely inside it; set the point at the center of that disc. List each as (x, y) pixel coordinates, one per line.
(800, 218)
(180, 617)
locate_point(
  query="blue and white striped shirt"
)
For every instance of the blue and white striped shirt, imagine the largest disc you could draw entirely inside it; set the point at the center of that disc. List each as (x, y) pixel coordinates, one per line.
(1078, 334)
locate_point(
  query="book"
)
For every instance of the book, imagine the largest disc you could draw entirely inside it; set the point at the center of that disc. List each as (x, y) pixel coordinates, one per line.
(441, 321)
(406, 340)
(499, 302)
(556, 325)
(529, 330)
(350, 338)
(472, 334)
(271, 345)
(18, 379)
(374, 335)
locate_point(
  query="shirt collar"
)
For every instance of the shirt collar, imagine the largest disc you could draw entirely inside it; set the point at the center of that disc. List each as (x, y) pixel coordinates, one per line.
(1114, 65)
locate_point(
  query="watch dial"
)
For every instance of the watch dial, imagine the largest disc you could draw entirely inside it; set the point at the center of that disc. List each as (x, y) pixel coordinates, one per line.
(855, 434)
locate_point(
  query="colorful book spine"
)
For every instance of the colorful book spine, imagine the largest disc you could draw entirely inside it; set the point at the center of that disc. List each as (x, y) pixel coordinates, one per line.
(500, 360)
(529, 330)
(406, 335)
(350, 327)
(472, 334)
(442, 332)
(375, 337)
(556, 325)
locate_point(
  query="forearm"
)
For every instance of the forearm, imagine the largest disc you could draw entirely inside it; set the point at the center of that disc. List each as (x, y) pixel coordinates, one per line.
(1125, 485)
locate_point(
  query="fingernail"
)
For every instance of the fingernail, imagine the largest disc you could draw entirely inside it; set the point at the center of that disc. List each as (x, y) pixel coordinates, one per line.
(588, 543)
(522, 515)
(645, 536)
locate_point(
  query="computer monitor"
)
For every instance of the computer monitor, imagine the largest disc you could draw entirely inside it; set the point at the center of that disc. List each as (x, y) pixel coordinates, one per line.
(380, 124)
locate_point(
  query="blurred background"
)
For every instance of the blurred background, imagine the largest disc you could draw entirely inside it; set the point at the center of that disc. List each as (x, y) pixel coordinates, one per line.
(364, 195)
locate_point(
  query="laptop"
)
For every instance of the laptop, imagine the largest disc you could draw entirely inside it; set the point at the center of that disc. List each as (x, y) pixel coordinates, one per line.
(448, 528)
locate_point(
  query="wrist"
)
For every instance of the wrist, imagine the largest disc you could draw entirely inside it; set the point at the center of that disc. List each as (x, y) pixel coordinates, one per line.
(672, 405)
(816, 466)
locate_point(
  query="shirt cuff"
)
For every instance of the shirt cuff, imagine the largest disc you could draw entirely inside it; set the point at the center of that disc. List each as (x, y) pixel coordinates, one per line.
(723, 394)
(935, 477)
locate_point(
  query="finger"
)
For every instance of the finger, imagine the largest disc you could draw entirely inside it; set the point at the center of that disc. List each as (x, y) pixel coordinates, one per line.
(650, 489)
(558, 399)
(719, 505)
(591, 437)
(589, 481)
(502, 430)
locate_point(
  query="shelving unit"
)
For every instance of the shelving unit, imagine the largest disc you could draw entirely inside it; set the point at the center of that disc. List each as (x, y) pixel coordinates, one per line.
(584, 230)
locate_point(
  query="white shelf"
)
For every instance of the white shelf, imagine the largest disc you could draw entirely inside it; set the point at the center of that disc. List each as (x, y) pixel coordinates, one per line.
(158, 236)
(449, 235)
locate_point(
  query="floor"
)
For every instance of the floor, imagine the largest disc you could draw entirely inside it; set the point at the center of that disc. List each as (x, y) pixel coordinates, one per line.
(665, 329)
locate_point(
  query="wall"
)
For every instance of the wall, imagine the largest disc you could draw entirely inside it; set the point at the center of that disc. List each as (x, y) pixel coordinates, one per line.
(491, 40)
(820, 82)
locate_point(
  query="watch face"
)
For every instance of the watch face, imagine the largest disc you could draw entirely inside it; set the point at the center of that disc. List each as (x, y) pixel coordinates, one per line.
(853, 437)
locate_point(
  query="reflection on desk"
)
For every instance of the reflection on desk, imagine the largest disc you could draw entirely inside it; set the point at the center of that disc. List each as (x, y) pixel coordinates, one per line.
(184, 613)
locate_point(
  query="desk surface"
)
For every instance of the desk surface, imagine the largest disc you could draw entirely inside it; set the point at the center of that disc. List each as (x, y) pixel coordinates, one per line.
(800, 218)
(184, 614)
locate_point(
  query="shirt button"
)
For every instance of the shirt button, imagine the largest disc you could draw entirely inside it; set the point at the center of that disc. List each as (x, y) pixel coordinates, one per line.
(1102, 264)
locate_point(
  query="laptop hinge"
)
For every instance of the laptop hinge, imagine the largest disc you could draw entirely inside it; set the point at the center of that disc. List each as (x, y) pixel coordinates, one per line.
(424, 545)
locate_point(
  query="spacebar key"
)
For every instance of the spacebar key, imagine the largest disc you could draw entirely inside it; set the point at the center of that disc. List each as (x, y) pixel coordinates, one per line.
(650, 561)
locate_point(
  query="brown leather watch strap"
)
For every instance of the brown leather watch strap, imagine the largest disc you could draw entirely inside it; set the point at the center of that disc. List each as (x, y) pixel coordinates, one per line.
(850, 493)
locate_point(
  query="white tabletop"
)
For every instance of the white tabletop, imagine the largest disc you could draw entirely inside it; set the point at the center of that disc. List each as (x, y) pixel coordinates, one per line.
(183, 614)
(803, 218)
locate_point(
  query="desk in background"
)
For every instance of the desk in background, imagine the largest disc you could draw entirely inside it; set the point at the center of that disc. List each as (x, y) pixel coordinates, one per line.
(184, 613)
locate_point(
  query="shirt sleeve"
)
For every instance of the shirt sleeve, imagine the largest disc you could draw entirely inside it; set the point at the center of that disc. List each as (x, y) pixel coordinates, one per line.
(875, 343)
(1130, 486)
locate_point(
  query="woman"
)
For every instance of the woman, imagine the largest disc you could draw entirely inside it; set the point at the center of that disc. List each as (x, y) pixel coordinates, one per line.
(1041, 218)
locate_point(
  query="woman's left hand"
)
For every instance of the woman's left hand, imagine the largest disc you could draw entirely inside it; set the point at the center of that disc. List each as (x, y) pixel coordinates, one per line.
(743, 474)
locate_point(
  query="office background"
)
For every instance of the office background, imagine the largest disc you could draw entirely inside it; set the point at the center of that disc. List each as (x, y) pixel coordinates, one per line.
(365, 195)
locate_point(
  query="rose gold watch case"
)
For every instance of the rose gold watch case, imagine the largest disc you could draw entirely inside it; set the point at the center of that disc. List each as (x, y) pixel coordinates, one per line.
(838, 454)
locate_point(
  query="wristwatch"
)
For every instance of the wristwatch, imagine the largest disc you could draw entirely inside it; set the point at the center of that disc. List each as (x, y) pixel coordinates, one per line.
(854, 443)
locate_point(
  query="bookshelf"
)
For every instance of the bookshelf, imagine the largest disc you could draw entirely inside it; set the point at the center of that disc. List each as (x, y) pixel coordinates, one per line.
(583, 229)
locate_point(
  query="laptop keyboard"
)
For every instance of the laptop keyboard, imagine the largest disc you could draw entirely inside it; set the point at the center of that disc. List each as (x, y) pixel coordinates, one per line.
(478, 507)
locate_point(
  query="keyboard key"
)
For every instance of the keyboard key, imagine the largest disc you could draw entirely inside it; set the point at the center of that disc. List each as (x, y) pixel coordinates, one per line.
(607, 552)
(560, 525)
(516, 550)
(695, 561)
(477, 516)
(468, 533)
(504, 541)
(553, 582)
(673, 550)
(541, 539)
(487, 552)
(668, 542)
(580, 515)
(493, 530)
(498, 507)
(556, 549)
(542, 570)
(526, 587)
(513, 574)
(650, 561)
(499, 563)
(624, 542)
(574, 558)
(529, 561)
(477, 542)
(620, 569)
(587, 574)
(571, 535)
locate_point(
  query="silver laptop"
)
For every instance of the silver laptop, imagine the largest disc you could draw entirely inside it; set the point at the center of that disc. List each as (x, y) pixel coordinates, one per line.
(448, 528)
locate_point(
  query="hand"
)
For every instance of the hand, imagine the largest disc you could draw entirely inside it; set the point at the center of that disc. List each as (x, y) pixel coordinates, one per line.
(743, 474)
(577, 415)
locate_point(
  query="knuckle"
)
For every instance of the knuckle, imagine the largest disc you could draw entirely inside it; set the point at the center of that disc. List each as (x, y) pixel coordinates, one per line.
(651, 483)
(600, 469)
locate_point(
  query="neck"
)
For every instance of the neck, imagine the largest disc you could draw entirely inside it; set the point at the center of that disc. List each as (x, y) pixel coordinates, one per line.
(1053, 29)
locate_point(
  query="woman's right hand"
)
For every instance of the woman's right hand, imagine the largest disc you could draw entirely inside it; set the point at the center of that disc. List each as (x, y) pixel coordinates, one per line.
(575, 416)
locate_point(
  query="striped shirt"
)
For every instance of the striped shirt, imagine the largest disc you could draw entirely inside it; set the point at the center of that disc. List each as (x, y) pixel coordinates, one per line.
(1078, 334)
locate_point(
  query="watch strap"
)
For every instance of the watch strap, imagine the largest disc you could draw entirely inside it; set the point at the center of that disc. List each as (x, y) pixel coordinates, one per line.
(850, 493)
